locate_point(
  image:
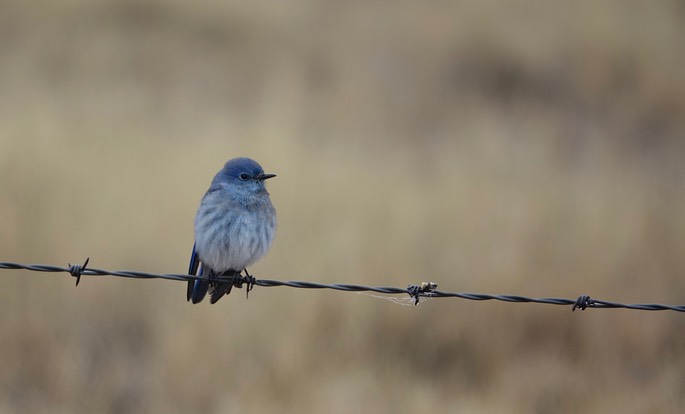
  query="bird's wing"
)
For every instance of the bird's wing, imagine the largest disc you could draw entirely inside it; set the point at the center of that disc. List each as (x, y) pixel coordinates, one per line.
(196, 288)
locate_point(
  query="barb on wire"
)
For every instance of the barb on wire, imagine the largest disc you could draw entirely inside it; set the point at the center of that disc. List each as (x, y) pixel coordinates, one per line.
(77, 270)
(422, 290)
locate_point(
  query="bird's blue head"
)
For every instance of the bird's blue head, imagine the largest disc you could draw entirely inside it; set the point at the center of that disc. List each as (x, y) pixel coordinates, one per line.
(242, 175)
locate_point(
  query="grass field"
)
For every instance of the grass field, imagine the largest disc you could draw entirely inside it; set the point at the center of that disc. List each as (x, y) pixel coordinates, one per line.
(530, 148)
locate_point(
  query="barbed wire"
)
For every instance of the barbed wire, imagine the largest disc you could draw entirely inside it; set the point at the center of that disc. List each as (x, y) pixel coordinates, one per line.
(416, 292)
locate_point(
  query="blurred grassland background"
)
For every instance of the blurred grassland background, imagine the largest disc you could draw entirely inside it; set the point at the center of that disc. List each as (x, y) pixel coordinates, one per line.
(529, 147)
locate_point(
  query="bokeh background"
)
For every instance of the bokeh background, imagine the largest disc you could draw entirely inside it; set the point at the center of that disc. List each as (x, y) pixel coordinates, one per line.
(530, 147)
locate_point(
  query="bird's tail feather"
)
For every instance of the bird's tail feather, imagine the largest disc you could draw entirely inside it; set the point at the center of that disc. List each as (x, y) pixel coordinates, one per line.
(219, 289)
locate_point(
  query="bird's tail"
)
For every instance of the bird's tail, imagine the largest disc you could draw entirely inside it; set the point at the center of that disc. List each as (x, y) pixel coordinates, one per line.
(219, 289)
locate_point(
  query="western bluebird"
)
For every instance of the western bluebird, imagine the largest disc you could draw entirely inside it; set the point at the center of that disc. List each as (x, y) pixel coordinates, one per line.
(234, 227)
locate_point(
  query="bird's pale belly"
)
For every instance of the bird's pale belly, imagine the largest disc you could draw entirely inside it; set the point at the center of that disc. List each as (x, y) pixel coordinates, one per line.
(234, 243)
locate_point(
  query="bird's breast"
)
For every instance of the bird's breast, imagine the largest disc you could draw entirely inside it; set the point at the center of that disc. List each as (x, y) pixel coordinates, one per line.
(230, 236)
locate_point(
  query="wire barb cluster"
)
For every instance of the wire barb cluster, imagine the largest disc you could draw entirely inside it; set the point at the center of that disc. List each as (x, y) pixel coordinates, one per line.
(416, 292)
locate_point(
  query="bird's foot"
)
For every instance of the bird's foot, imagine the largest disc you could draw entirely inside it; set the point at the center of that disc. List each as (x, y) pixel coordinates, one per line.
(212, 278)
(249, 283)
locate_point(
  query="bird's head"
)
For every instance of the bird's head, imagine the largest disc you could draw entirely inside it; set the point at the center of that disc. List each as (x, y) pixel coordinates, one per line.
(242, 175)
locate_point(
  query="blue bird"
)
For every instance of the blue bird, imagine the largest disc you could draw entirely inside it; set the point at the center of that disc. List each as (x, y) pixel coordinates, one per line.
(234, 227)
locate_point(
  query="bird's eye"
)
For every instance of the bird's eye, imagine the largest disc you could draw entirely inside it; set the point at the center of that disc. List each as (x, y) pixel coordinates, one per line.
(243, 176)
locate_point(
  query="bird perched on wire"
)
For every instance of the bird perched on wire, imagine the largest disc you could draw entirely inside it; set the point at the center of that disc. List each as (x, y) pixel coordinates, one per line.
(234, 227)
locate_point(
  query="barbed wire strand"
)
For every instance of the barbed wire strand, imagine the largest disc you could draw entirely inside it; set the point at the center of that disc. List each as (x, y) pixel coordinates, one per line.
(423, 290)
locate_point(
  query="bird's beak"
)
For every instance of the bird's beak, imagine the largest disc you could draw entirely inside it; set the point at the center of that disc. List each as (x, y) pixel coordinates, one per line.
(262, 177)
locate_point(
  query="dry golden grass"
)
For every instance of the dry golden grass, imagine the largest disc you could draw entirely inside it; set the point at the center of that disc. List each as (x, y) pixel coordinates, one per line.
(522, 148)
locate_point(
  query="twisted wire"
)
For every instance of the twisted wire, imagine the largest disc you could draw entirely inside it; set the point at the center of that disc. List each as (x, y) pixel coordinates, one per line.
(422, 290)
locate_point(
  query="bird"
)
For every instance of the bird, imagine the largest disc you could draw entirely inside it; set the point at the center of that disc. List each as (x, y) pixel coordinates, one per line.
(234, 227)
